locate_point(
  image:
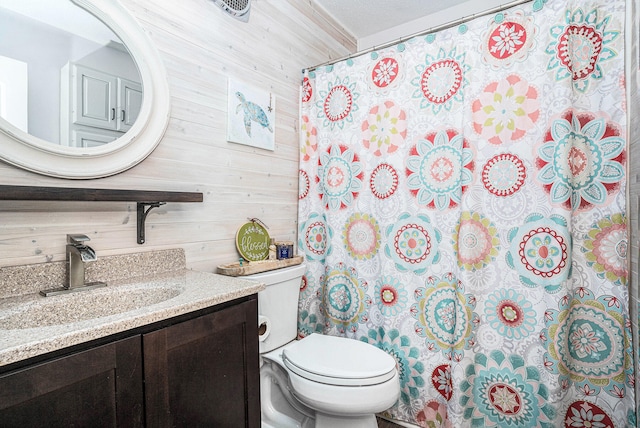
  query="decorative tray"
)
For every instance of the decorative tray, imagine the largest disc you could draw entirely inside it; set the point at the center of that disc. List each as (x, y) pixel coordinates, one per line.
(248, 268)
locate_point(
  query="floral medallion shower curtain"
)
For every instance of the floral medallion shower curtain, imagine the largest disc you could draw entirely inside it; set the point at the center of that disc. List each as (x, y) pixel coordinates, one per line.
(462, 207)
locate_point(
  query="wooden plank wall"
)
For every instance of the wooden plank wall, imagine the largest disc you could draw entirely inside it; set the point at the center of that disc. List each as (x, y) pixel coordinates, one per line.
(201, 47)
(633, 181)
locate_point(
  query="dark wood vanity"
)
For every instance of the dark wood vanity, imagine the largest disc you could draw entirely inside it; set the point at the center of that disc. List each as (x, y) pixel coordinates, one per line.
(199, 369)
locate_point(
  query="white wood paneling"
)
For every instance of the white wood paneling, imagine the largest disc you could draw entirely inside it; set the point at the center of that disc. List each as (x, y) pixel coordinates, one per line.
(201, 47)
(633, 170)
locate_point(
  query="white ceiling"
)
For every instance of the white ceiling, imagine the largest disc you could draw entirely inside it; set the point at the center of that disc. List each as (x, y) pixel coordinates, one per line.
(63, 15)
(363, 18)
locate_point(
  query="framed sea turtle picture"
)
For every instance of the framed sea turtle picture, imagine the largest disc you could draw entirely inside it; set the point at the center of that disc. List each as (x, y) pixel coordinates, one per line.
(251, 116)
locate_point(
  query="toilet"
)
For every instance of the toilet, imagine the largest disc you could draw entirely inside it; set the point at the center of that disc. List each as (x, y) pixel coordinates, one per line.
(319, 381)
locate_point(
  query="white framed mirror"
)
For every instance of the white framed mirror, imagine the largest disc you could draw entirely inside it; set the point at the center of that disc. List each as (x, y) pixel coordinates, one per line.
(108, 118)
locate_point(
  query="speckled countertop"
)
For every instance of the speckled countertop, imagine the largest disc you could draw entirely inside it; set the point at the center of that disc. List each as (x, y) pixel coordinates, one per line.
(32, 325)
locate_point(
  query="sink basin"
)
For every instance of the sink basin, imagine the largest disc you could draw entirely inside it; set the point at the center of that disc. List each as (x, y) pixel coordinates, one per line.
(83, 305)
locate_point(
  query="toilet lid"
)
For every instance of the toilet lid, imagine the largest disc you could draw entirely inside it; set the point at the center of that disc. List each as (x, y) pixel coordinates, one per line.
(339, 361)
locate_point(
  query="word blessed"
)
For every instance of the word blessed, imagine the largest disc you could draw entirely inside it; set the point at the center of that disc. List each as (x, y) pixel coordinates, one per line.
(253, 249)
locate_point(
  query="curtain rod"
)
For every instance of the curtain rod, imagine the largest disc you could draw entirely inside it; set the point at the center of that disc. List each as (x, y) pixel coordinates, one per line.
(421, 33)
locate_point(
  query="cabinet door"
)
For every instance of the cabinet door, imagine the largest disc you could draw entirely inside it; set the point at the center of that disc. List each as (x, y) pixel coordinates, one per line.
(92, 137)
(129, 103)
(205, 372)
(100, 387)
(94, 98)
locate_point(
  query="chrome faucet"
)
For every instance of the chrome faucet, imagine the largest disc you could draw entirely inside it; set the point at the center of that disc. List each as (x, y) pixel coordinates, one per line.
(78, 254)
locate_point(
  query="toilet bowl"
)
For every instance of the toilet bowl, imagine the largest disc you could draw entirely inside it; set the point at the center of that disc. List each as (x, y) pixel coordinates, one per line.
(332, 382)
(318, 381)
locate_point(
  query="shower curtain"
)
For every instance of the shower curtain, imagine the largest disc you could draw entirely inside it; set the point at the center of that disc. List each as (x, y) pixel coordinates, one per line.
(462, 207)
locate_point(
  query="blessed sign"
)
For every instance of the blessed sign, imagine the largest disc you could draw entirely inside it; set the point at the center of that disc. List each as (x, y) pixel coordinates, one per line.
(252, 242)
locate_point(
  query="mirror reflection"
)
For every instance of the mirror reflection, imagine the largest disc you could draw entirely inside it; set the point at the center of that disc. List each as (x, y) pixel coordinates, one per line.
(65, 77)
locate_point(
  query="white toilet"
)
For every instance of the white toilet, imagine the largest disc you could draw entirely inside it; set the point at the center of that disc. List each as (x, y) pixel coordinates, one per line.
(318, 381)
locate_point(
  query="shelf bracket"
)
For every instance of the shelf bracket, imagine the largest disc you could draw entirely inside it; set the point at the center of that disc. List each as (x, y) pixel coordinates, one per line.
(142, 217)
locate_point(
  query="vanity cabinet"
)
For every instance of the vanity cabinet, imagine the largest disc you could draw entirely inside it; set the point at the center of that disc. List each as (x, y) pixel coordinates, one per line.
(204, 372)
(98, 387)
(197, 370)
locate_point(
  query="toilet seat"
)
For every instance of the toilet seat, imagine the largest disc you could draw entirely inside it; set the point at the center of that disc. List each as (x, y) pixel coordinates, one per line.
(338, 361)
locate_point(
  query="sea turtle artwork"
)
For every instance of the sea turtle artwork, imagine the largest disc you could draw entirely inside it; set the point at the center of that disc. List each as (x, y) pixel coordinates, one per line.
(252, 113)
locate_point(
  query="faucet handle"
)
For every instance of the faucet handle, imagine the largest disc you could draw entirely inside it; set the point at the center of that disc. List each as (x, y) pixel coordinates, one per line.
(77, 239)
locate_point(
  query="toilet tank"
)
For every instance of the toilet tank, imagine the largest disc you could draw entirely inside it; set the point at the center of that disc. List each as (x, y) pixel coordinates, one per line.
(278, 306)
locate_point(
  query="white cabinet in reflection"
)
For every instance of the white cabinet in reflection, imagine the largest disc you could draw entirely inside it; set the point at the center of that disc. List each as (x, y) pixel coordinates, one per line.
(92, 138)
(129, 102)
(99, 104)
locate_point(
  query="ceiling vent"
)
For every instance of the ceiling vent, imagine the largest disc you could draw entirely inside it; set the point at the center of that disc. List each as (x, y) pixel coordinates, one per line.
(239, 9)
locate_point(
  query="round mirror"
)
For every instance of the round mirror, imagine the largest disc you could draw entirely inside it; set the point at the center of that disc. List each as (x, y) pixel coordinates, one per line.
(78, 98)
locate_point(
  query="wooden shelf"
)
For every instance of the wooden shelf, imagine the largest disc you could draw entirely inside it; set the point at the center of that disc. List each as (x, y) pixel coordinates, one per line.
(248, 268)
(145, 199)
(35, 193)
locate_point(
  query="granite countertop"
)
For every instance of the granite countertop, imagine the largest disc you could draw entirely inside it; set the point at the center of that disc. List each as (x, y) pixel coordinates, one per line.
(32, 325)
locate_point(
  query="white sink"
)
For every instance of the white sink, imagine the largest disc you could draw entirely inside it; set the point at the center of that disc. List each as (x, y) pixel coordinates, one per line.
(82, 306)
